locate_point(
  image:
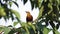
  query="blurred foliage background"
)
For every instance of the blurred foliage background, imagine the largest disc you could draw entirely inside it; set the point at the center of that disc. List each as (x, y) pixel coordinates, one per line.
(49, 12)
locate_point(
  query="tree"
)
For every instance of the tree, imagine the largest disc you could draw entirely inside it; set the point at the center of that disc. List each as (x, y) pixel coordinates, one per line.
(7, 13)
(49, 12)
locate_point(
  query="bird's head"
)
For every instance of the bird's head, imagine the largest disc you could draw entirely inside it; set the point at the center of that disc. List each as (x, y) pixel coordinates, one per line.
(27, 12)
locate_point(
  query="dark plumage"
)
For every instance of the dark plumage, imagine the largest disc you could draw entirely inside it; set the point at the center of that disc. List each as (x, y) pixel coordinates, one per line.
(29, 17)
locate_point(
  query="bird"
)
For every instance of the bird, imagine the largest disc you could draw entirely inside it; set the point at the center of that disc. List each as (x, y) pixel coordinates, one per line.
(29, 17)
(29, 20)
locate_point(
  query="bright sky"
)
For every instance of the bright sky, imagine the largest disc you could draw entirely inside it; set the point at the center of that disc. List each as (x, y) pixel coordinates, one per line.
(22, 8)
(27, 7)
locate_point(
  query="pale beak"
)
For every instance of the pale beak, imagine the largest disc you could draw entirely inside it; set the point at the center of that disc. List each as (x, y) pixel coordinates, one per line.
(26, 11)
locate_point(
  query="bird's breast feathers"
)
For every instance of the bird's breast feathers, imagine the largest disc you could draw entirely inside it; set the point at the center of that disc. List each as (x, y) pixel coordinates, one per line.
(29, 18)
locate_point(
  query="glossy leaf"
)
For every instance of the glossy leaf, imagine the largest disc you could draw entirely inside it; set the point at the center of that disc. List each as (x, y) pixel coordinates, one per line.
(40, 12)
(16, 13)
(12, 31)
(15, 23)
(27, 29)
(32, 26)
(2, 12)
(6, 30)
(46, 30)
(23, 24)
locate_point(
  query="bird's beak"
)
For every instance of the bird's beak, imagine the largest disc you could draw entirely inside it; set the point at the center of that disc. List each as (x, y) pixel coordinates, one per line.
(26, 11)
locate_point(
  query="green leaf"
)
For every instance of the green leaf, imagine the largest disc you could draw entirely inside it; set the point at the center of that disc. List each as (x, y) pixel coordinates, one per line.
(2, 12)
(32, 26)
(6, 30)
(50, 6)
(36, 3)
(12, 31)
(15, 0)
(10, 26)
(32, 4)
(46, 31)
(31, 31)
(11, 14)
(56, 31)
(15, 23)
(16, 13)
(1, 29)
(15, 3)
(23, 24)
(24, 1)
(40, 12)
(10, 3)
(27, 29)
(45, 0)
(57, 26)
